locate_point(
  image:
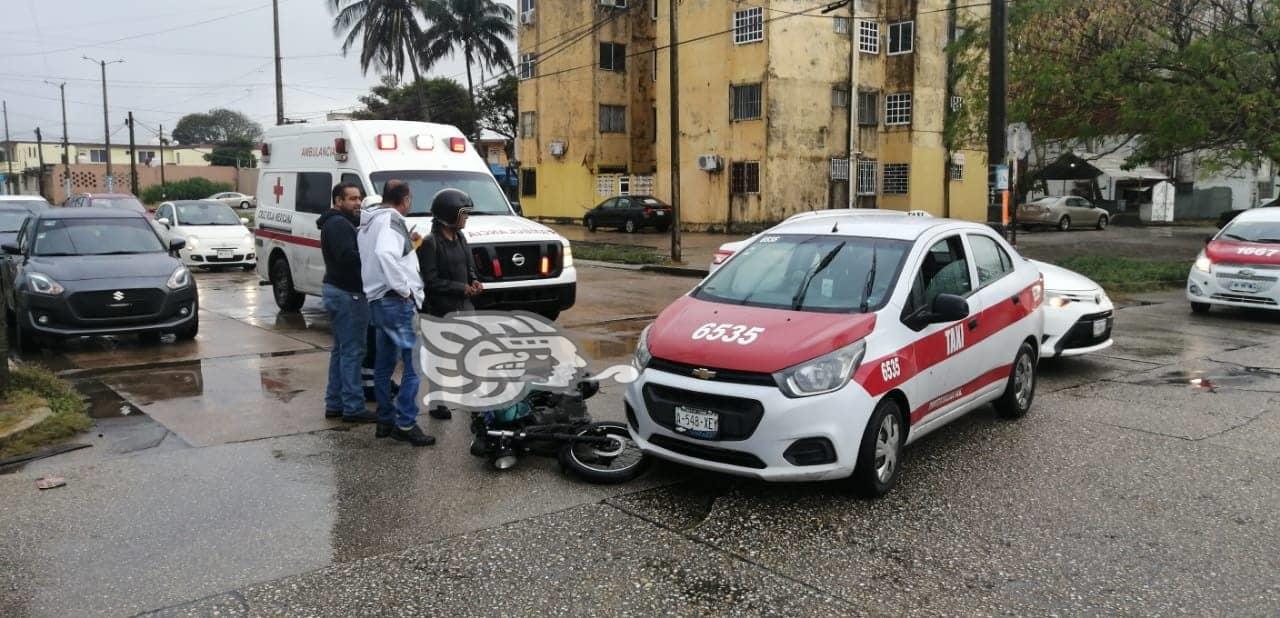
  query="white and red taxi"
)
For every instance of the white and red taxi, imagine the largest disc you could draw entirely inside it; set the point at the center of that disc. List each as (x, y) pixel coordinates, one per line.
(1240, 265)
(829, 343)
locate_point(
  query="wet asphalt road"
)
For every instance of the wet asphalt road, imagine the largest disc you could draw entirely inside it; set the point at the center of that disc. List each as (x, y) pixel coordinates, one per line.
(1145, 481)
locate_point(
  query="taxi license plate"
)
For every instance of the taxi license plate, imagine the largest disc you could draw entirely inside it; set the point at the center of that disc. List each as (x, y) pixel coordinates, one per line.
(698, 423)
(1244, 286)
(1099, 327)
(224, 254)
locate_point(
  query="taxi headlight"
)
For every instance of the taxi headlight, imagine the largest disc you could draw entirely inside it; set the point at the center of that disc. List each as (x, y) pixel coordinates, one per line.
(642, 355)
(568, 257)
(1057, 300)
(824, 374)
(180, 278)
(1204, 264)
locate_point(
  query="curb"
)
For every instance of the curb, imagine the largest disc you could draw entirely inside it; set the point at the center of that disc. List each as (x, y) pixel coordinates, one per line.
(679, 271)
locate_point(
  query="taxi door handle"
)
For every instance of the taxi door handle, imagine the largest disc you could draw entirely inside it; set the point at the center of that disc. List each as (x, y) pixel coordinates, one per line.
(973, 324)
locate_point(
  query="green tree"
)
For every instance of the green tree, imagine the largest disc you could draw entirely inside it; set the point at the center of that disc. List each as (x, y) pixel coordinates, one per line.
(480, 28)
(439, 99)
(218, 126)
(389, 32)
(235, 153)
(498, 109)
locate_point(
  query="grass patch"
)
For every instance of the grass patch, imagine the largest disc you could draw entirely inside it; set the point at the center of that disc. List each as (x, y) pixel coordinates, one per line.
(1129, 275)
(36, 386)
(622, 254)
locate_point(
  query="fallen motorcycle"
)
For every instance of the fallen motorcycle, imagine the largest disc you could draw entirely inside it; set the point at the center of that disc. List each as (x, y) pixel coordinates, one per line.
(557, 425)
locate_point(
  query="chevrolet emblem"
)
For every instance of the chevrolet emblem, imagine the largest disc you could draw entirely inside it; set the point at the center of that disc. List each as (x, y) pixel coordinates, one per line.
(703, 374)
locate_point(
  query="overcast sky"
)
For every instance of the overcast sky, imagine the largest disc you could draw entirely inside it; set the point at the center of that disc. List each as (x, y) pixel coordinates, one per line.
(179, 58)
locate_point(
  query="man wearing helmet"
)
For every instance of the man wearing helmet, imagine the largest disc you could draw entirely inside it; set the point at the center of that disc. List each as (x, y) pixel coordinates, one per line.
(444, 259)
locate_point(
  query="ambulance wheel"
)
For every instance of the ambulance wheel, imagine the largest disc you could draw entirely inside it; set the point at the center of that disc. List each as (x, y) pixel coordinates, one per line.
(1020, 390)
(287, 298)
(880, 453)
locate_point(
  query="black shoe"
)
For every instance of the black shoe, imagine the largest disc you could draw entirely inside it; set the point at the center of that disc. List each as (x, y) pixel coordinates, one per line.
(384, 430)
(441, 412)
(413, 436)
(362, 417)
(333, 413)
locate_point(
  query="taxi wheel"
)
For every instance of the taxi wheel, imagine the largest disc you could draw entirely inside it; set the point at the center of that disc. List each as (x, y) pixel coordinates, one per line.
(1021, 389)
(880, 454)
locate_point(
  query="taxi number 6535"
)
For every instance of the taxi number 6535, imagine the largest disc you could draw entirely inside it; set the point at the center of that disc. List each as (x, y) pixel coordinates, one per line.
(728, 333)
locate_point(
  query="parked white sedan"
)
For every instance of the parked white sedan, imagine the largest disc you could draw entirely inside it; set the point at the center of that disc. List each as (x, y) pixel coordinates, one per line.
(1078, 315)
(235, 200)
(214, 234)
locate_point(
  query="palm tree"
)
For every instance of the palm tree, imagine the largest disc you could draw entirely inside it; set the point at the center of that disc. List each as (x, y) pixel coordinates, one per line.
(481, 28)
(389, 31)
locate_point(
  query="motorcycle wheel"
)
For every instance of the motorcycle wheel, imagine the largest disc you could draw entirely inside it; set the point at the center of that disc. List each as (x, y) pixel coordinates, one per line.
(620, 463)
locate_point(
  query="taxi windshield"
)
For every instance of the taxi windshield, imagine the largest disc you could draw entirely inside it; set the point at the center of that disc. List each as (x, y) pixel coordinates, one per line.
(1253, 231)
(830, 274)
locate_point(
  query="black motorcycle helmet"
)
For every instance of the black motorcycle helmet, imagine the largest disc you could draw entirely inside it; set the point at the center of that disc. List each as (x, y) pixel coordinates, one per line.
(448, 204)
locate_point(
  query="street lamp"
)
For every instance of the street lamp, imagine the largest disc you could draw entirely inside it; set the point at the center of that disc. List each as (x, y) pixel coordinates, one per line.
(106, 124)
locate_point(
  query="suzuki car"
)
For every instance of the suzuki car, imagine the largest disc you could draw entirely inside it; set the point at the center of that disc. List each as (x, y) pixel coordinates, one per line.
(829, 343)
(1240, 265)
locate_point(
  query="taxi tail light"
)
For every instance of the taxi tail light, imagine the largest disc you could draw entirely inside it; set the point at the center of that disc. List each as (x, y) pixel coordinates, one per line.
(1037, 292)
(387, 141)
(721, 256)
(457, 144)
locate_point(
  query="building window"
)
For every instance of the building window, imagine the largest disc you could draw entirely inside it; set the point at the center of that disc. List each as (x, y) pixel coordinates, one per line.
(97, 155)
(866, 177)
(897, 178)
(840, 96)
(653, 121)
(744, 102)
(613, 119)
(841, 25)
(146, 156)
(624, 185)
(655, 65)
(902, 37)
(526, 11)
(897, 109)
(653, 9)
(869, 37)
(314, 192)
(744, 177)
(613, 56)
(748, 25)
(528, 65)
(528, 182)
(839, 169)
(528, 124)
(957, 171)
(868, 109)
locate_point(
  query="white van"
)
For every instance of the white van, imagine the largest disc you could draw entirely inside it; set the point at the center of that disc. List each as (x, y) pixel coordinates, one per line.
(523, 264)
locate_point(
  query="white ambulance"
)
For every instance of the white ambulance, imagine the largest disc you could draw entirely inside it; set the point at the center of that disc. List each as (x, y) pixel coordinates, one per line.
(523, 264)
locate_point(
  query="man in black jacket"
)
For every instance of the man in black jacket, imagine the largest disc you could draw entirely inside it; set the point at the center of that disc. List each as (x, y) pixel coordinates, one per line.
(344, 299)
(444, 259)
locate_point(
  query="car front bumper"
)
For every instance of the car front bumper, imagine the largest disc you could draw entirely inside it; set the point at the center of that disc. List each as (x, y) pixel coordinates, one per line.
(760, 426)
(558, 293)
(1236, 286)
(240, 256)
(1070, 330)
(177, 309)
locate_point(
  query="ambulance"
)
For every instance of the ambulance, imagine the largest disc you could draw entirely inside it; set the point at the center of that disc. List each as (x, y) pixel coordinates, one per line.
(829, 343)
(523, 264)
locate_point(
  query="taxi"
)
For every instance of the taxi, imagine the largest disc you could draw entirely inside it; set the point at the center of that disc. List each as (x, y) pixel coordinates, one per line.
(826, 345)
(1240, 265)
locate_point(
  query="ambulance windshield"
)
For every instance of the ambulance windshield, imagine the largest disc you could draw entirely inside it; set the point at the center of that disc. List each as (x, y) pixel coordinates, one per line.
(424, 185)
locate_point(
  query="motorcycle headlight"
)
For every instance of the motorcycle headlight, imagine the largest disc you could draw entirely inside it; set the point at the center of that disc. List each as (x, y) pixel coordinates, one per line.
(44, 284)
(824, 374)
(180, 278)
(568, 257)
(1204, 264)
(642, 355)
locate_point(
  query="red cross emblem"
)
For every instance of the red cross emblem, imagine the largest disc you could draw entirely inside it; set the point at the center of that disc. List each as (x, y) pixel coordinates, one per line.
(278, 190)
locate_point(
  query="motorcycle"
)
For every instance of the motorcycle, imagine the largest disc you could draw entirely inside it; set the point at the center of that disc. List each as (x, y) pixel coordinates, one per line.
(558, 425)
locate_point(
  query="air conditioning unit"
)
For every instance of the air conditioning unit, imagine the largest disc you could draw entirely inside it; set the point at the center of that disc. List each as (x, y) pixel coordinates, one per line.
(526, 17)
(557, 148)
(709, 162)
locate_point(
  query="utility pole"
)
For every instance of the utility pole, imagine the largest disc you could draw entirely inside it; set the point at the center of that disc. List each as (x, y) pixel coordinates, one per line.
(40, 158)
(998, 64)
(673, 49)
(133, 157)
(106, 123)
(275, 19)
(66, 148)
(8, 148)
(163, 193)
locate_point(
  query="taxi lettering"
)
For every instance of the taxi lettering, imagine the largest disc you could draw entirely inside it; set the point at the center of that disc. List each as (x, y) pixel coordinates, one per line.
(955, 339)
(728, 333)
(1256, 251)
(890, 369)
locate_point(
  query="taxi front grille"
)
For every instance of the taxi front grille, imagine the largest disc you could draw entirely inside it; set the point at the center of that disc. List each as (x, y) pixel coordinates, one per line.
(739, 416)
(1081, 334)
(1241, 298)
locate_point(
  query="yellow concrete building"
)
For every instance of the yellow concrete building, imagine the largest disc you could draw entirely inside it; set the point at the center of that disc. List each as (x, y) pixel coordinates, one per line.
(765, 108)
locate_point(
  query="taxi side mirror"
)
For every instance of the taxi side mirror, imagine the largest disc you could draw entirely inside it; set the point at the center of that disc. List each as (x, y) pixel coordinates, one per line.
(948, 308)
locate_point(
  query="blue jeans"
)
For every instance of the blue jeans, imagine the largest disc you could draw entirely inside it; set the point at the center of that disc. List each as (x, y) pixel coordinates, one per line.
(393, 317)
(349, 317)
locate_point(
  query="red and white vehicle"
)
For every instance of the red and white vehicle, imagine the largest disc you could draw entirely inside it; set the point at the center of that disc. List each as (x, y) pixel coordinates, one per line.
(831, 342)
(1240, 265)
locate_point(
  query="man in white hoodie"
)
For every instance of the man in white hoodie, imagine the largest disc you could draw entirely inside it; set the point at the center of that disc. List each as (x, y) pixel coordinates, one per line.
(389, 269)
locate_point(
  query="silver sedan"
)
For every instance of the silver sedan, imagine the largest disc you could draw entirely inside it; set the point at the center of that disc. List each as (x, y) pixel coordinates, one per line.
(235, 200)
(1063, 213)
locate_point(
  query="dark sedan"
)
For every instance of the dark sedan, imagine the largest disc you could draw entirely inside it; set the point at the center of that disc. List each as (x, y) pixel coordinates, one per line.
(629, 213)
(94, 271)
(12, 217)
